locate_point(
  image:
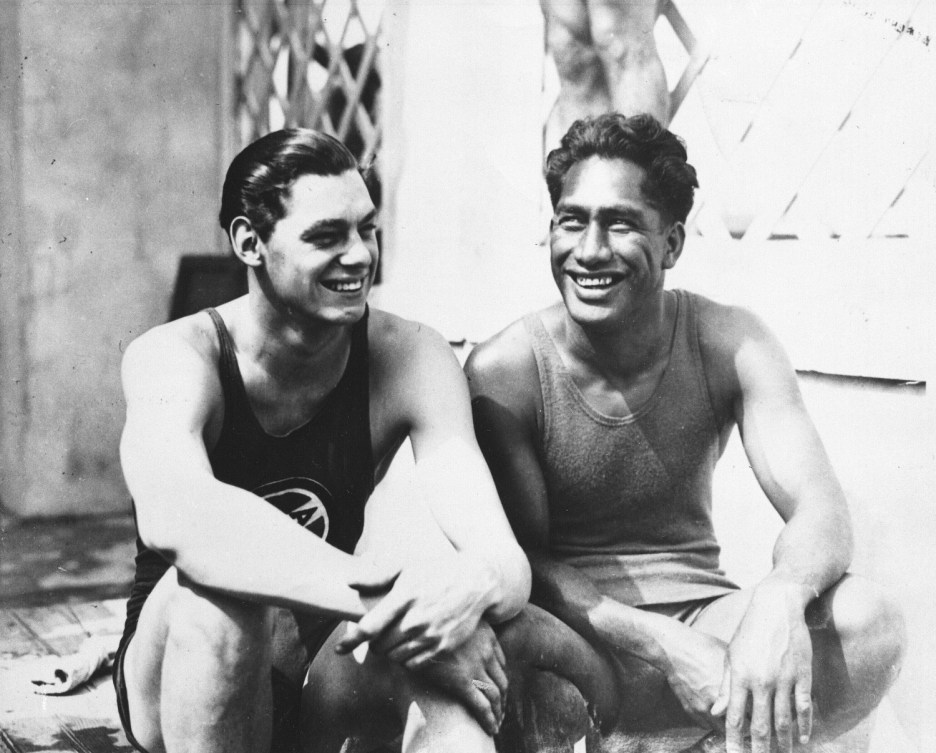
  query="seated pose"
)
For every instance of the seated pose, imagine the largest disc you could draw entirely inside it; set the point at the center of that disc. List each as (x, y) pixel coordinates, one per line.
(255, 434)
(602, 419)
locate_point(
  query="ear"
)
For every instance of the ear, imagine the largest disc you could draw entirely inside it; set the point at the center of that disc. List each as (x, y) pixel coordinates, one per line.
(245, 242)
(675, 238)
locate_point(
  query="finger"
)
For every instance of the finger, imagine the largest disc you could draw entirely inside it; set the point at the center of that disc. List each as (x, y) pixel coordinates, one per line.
(487, 686)
(724, 692)
(393, 637)
(480, 708)
(372, 624)
(499, 653)
(404, 651)
(374, 578)
(420, 660)
(761, 722)
(783, 719)
(499, 676)
(734, 720)
(802, 697)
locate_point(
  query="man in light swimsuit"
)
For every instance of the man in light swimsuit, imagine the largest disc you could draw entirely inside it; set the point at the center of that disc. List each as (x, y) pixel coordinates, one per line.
(606, 59)
(602, 419)
(255, 434)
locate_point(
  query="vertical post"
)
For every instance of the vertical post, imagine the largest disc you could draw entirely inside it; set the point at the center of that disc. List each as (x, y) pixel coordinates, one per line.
(228, 124)
(14, 269)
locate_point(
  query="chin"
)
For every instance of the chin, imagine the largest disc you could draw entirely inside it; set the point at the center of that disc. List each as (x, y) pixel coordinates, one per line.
(338, 315)
(592, 317)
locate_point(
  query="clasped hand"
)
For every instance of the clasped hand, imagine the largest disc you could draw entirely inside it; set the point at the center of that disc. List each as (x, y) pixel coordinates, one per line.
(431, 608)
(427, 617)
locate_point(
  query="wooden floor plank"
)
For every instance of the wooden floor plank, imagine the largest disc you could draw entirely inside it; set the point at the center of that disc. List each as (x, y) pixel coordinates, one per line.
(17, 639)
(56, 627)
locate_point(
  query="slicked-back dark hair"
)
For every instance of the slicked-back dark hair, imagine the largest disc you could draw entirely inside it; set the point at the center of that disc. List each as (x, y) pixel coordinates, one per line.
(259, 179)
(641, 139)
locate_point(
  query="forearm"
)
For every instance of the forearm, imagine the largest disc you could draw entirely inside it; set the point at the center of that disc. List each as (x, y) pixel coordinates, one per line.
(508, 583)
(229, 540)
(813, 550)
(561, 589)
(455, 482)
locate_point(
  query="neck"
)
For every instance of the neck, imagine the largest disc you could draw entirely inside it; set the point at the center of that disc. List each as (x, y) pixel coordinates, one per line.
(291, 350)
(631, 346)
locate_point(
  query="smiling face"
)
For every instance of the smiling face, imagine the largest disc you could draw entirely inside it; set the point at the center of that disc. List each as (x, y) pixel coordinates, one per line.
(609, 246)
(320, 258)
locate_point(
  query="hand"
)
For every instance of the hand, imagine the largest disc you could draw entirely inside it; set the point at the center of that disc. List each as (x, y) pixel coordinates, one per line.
(769, 667)
(474, 674)
(432, 608)
(695, 670)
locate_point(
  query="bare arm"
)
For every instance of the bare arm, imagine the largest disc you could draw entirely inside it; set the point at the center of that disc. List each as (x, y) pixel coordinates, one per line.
(504, 387)
(218, 535)
(437, 604)
(770, 655)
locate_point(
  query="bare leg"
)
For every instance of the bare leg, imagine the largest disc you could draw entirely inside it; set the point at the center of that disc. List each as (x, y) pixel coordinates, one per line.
(377, 700)
(560, 684)
(622, 33)
(198, 672)
(583, 88)
(858, 641)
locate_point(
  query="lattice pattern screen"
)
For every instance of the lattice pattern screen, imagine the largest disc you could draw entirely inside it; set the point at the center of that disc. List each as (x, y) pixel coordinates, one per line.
(309, 63)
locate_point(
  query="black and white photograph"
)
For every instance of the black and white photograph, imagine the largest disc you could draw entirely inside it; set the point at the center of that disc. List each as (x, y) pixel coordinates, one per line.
(467, 376)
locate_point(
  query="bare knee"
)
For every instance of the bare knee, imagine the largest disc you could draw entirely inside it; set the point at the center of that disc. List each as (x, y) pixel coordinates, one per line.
(233, 634)
(860, 640)
(871, 623)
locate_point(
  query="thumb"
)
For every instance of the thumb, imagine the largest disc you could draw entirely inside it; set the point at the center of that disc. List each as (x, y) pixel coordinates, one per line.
(373, 576)
(721, 701)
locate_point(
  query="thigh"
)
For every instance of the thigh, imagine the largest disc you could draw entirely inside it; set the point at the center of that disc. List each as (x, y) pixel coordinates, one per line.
(349, 695)
(721, 617)
(536, 640)
(195, 650)
(143, 660)
(367, 697)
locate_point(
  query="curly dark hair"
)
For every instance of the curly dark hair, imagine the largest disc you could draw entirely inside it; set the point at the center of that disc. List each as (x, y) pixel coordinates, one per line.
(261, 176)
(641, 139)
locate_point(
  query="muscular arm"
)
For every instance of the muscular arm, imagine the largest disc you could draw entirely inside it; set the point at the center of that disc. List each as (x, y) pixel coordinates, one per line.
(421, 391)
(216, 534)
(815, 545)
(504, 387)
(770, 655)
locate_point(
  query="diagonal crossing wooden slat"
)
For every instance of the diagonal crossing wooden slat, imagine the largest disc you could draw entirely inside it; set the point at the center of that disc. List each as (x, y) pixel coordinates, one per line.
(295, 68)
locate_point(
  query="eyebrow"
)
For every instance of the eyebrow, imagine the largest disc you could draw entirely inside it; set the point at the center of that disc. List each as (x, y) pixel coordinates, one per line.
(626, 210)
(336, 224)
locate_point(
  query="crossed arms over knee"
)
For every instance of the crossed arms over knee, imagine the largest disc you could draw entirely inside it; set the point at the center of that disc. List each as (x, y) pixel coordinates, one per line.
(766, 666)
(173, 405)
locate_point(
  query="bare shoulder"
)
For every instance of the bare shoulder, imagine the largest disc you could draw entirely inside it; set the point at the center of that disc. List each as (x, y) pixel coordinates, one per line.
(725, 327)
(170, 356)
(397, 343)
(738, 348)
(503, 369)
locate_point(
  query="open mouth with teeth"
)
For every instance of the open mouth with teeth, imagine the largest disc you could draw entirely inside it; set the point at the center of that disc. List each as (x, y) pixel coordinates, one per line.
(594, 281)
(344, 286)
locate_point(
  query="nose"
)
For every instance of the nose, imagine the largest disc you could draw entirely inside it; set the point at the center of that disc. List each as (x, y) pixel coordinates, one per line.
(592, 247)
(357, 253)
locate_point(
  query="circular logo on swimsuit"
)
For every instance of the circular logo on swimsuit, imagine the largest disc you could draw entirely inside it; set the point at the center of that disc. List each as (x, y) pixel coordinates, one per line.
(302, 499)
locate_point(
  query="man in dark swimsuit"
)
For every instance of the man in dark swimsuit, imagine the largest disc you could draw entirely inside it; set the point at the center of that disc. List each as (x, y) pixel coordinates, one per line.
(254, 437)
(602, 419)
